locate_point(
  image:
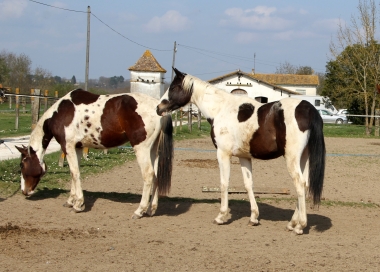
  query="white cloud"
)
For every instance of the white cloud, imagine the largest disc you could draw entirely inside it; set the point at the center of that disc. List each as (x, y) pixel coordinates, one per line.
(171, 21)
(11, 9)
(328, 24)
(246, 37)
(293, 35)
(258, 18)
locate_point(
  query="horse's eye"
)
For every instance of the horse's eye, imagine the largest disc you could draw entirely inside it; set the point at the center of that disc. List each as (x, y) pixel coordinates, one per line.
(21, 165)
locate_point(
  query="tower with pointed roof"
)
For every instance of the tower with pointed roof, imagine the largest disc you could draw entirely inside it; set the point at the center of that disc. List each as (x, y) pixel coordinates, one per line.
(147, 76)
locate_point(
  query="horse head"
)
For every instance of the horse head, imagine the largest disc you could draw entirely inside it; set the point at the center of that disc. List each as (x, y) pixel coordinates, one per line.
(176, 96)
(31, 170)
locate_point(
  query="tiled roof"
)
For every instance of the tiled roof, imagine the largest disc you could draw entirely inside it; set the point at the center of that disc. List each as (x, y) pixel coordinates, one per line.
(253, 76)
(147, 63)
(288, 79)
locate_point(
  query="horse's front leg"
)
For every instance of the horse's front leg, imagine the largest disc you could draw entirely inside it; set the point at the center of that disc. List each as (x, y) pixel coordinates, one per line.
(246, 168)
(76, 199)
(224, 167)
(148, 175)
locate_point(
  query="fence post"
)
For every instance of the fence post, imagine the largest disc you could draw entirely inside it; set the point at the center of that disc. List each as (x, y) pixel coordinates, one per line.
(180, 119)
(35, 108)
(61, 159)
(46, 100)
(175, 121)
(190, 118)
(199, 119)
(377, 122)
(10, 100)
(17, 108)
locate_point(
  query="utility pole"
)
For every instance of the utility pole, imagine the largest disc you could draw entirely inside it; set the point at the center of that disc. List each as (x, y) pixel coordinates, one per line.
(174, 51)
(87, 48)
(175, 112)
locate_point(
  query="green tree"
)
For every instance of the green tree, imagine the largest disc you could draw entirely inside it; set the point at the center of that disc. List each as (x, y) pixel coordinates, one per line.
(357, 61)
(19, 71)
(115, 81)
(4, 71)
(73, 80)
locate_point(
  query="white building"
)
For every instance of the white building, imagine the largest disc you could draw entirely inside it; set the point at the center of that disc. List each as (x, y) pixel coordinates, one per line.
(241, 83)
(147, 76)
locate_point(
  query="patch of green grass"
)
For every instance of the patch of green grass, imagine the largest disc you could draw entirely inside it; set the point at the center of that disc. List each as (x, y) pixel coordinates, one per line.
(8, 121)
(58, 177)
(183, 132)
(346, 131)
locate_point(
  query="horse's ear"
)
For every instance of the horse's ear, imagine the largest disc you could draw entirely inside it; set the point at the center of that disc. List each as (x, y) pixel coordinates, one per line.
(177, 72)
(23, 150)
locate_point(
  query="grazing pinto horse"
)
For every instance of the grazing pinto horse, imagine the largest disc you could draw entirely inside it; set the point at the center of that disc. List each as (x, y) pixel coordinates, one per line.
(245, 128)
(3, 98)
(83, 119)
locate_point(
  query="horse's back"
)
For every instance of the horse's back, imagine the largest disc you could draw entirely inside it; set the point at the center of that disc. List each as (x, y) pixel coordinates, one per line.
(102, 121)
(263, 131)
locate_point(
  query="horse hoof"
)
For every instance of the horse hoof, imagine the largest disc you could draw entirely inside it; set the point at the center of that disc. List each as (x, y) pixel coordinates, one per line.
(136, 216)
(67, 205)
(81, 209)
(217, 222)
(253, 223)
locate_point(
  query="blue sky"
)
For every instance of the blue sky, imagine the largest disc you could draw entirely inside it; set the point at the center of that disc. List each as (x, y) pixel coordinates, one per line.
(213, 37)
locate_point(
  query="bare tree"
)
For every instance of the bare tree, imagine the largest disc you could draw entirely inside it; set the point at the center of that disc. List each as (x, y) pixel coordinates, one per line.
(288, 68)
(19, 70)
(42, 79)
(360, 55)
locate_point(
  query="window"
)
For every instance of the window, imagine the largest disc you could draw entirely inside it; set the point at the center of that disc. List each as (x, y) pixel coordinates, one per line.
(301, 91)
(261, 99)
(317, 102)
(239, 92)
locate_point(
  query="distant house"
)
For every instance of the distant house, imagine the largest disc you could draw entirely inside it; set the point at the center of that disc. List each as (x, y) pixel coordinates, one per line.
(241, 83)
(147, 76)
(302, 84)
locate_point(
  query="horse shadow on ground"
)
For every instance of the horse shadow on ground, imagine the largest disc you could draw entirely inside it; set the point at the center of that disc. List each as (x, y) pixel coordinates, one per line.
(269, 212)
(174, 206)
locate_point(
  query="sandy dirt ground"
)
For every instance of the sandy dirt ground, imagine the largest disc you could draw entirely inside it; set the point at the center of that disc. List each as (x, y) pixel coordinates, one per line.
(39, 234)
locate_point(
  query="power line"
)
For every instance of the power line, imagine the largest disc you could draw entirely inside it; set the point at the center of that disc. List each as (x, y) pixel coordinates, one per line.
(57, 7)
(127, 37)
(71, 10)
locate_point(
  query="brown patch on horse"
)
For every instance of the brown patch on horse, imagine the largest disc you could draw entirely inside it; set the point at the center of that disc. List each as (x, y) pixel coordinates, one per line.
(80, 96)
(245, 112)
(212, 133)
(30, 168)
(59, 120)
(268, 142)
(127, 126)
(302, 114)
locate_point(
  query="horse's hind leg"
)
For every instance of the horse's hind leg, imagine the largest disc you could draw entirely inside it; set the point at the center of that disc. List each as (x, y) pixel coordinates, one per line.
(246, 168)
(147, 171)
(154, 199)
(298, 170)
(224, 167)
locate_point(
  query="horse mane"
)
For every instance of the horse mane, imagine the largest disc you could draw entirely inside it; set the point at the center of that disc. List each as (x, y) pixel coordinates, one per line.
(191, 82)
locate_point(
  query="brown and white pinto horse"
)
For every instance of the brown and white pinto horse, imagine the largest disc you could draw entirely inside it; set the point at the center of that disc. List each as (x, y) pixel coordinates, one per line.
(83, 119)
(247, 129)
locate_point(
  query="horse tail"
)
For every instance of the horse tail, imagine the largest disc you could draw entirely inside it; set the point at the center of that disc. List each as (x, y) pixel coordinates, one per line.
(165, 155)
(317, 157)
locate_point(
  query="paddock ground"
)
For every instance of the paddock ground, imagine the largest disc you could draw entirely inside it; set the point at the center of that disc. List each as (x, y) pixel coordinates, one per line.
(342, 234)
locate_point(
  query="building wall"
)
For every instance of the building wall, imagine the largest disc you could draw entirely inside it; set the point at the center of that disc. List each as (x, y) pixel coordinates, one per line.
(309, 90)
(150, 83)
(252, 87)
